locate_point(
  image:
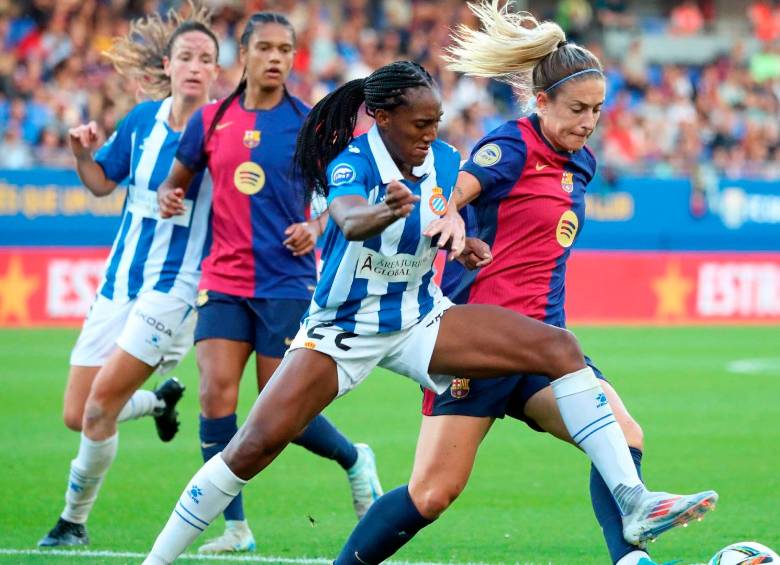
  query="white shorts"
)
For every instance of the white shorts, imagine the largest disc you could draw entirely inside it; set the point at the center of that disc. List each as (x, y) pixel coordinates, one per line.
(156, 328)
(407, 352)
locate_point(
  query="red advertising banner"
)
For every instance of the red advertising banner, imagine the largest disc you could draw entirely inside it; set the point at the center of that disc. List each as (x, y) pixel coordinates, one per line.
(48, 286)
(55, 286)
(673, 287)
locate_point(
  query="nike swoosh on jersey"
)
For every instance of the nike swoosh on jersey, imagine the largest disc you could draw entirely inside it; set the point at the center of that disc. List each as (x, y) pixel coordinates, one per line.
(539, 166)
(222, 126)
(205, 445)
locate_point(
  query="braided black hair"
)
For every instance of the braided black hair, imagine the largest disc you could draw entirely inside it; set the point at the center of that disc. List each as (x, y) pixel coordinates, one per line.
(330, 125)
(258, 18)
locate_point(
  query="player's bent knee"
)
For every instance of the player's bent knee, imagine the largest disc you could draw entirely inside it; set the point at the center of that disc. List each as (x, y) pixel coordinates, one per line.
(73, 420)
(94, 414)
(562, 352)
(217, 400)
(431, 502)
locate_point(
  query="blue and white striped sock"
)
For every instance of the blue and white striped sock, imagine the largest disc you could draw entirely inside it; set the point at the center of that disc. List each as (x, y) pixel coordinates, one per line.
(591, 423)
(206, 496)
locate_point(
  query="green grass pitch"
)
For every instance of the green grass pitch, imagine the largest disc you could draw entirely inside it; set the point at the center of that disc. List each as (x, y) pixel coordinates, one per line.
(706, 426)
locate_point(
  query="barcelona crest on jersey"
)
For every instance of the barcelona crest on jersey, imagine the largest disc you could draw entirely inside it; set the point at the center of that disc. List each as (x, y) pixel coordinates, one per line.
(251, 138)
(567, 181)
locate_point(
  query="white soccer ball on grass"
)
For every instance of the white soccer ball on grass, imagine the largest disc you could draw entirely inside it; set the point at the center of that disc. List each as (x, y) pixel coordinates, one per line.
(745, 553)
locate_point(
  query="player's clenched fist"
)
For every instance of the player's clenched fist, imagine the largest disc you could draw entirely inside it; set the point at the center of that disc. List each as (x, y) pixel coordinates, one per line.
(400, 199)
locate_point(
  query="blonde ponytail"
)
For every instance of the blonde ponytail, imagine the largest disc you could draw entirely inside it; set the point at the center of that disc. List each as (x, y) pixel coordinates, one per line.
(508, 48)
(515, 48)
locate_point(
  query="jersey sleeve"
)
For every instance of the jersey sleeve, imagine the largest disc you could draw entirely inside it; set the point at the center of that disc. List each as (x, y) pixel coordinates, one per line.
(115, 154)
(497, 162)
(192, 148)
(347, 176)
(470, 220)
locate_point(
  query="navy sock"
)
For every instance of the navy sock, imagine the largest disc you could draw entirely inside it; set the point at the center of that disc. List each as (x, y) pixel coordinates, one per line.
(322, 437)
(390, 522)
(215, 434)
(608, 513)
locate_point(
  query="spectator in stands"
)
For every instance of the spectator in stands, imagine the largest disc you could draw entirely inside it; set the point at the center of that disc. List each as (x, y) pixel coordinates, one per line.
(14, 152)
(614, 14)
(686, 19)
(764, 15)
(51, 60)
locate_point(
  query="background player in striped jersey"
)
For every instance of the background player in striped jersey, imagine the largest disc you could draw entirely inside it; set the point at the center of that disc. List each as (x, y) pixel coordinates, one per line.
(143, 316)
(260, 272)
(376, 302)
(527, 180)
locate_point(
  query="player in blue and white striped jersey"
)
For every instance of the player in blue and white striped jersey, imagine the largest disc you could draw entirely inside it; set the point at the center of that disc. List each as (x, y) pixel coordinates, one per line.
(375, 306)
(143, 316)
(384, 283)
(149, 253)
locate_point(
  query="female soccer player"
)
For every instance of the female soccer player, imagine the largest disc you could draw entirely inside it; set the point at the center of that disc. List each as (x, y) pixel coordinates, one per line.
(376, 303)
(260, 273)
(527, 180)
(142, 318)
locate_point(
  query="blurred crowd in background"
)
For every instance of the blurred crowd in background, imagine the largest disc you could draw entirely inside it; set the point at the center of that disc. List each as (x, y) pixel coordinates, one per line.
(718, 118)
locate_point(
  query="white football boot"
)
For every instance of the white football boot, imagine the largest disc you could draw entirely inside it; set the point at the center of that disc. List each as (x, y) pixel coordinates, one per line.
(657, 512)
(363, 480)
(237, 537)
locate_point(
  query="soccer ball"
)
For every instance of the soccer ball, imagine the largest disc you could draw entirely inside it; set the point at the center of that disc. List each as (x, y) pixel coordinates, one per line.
(745, 553)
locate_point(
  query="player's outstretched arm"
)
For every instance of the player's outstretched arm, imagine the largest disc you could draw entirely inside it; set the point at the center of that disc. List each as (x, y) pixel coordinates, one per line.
(359, 220)
(170, 194)
(83, 141)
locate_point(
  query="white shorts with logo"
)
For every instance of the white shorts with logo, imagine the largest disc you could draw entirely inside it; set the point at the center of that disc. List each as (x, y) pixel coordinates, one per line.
(407, 352)
(155, 327)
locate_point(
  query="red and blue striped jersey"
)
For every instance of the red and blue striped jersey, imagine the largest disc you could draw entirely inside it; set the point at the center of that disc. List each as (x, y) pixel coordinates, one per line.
(256, 197)
(530, 211)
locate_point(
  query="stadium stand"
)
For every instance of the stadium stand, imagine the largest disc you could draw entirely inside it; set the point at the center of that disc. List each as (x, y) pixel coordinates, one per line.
(665, 115)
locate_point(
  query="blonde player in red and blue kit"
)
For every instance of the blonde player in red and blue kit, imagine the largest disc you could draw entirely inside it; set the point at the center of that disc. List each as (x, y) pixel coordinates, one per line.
(259, 275)
(526, 181)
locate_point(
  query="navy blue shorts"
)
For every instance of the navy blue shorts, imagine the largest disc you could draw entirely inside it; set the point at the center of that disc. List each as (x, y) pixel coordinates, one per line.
(269, 324)
(490, 398)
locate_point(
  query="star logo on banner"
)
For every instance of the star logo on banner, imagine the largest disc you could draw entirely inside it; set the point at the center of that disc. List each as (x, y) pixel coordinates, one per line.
(15, 291)
(672, 290)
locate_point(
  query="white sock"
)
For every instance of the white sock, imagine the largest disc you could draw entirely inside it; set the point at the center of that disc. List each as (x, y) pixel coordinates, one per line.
(87, 471)
(142, 403)
(591, 423)
(632, 558)
(206, 496)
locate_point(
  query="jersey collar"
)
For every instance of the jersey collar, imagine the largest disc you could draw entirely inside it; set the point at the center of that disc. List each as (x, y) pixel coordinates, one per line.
(164, 111)
(388, 170)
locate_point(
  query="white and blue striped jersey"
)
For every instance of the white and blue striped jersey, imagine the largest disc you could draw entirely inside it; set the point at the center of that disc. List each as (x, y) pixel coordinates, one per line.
(385, 283)
(150, 253)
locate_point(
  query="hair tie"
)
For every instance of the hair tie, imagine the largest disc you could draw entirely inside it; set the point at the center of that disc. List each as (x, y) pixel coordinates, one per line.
(561, 44)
